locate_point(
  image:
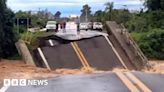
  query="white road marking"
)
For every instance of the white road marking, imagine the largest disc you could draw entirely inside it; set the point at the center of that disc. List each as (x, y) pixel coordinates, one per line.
(51, 43)
(4, 88)
(120, 59)
(44, 59)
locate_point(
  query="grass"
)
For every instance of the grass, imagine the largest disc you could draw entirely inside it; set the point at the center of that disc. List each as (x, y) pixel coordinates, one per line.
(31, 38)
(137, 36)
(31, 42)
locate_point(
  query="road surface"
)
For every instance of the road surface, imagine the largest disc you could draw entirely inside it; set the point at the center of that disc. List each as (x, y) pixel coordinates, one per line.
(96, 52)
(102, 82)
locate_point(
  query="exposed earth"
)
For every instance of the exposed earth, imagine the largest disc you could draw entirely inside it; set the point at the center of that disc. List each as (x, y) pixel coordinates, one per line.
(18, 69)
(10, 69)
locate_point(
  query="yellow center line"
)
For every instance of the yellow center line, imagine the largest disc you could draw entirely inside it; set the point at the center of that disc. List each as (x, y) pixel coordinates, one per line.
(138, 82)
(82, 55)
(127, 82)
(77, 53)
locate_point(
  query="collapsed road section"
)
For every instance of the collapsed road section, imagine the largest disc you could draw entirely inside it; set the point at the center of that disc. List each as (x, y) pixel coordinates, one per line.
(62, 56)
(99, 53)
(92, 52)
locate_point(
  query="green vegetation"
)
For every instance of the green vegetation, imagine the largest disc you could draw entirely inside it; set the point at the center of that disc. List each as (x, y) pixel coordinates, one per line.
(7, 36)
(151, 42)
(85, 13)
(31, 38)
(153, 5)
(57, 15)
(146, 27)
(37, 20)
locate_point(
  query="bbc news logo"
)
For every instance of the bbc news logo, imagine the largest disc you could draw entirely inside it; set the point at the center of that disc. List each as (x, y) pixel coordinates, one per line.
(24, 82)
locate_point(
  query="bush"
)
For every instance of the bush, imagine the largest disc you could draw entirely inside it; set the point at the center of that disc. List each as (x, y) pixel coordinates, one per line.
(137, 24)
(7, 36)
(151, 43)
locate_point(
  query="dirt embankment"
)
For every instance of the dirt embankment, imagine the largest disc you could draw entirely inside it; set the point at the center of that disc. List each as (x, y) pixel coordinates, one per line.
(157, 66)
(10, 69)
(17, 69)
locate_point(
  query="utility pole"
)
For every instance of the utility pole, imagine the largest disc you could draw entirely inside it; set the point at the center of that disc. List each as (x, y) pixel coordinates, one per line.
(86, 16)
(18, 25)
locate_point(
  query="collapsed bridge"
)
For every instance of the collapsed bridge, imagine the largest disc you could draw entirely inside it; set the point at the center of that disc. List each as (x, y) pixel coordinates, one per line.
(89, 49)
(96, 52)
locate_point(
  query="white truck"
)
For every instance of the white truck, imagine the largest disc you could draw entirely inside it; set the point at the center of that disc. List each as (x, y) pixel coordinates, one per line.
(98, 26)
(84, 26)
(51, 26)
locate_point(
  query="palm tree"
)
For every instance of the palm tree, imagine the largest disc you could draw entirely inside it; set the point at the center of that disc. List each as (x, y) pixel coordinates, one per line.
(109, 9)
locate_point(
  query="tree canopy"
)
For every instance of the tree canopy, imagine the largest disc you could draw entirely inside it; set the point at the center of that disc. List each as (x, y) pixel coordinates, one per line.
(154, 5)
(85, 13)
(57, 15)
(7, 37)
(109, 9)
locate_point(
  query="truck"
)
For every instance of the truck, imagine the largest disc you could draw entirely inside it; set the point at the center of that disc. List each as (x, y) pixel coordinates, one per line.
(51, 26)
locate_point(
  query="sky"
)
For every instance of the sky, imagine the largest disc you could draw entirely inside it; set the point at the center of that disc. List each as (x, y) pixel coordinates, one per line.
(68, 7)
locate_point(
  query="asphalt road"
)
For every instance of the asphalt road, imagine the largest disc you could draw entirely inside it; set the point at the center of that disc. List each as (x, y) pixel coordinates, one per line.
(99, 53)
(102, 82)
(154, 81)
(61, 56)
(78, 83)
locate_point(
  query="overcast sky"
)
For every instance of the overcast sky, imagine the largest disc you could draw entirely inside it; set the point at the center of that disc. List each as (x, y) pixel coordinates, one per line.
(68, 7)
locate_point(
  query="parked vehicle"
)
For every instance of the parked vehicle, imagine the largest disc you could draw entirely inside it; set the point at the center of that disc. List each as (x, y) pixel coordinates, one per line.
(97, 26)
(90, 25)
(51, 26)
(84, 26)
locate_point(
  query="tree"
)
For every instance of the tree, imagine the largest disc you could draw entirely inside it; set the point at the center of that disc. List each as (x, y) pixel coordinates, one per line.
(57, 15)
(154, 4)
(37, 20)
(86, 13)
(121, 15)
(22, 14)
(151, 43)
(99, 16)
(109, 9)
(138, 24)
(7, 37)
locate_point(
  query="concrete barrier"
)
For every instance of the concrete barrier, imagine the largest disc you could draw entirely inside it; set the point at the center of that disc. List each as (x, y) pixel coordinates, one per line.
(24, 52)
(128, 44)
